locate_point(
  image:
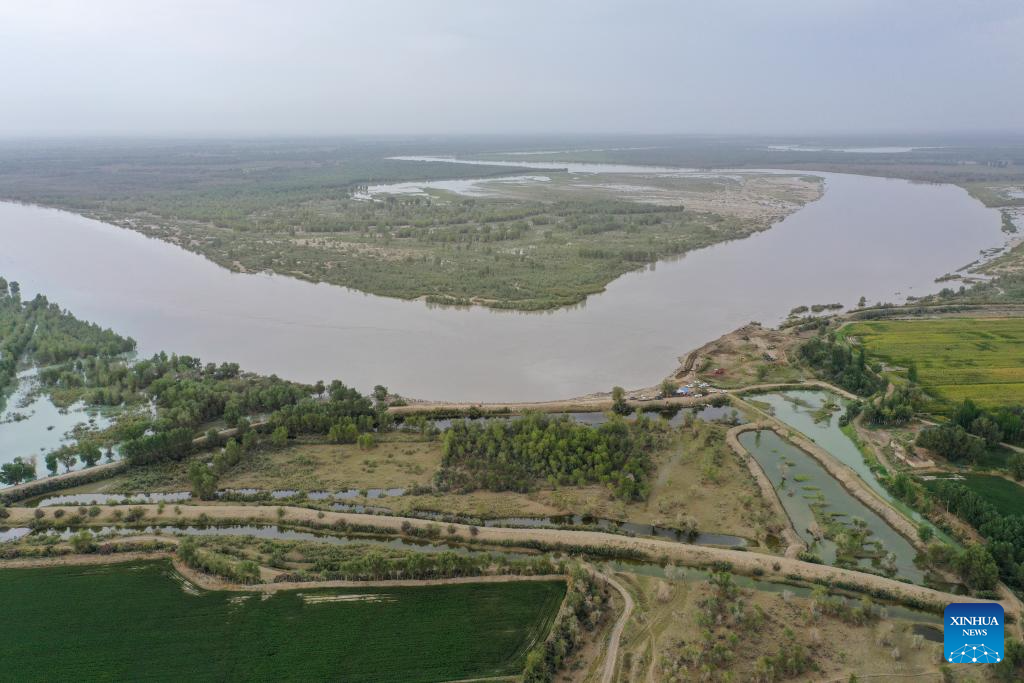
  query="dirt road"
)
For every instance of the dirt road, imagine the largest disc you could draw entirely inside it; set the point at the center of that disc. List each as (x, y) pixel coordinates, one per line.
(612, 652)
(749, 563)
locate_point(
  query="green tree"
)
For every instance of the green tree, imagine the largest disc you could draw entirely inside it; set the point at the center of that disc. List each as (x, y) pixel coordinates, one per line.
(619, 401)
(67, 459)
(90, 453)
(977, 568)
(279, 437)
(1015, 464)
(249, 441)
(83, 542)
(18, 470)
(380, 393)
(988, 430)
(1012, 666)
(203, 479)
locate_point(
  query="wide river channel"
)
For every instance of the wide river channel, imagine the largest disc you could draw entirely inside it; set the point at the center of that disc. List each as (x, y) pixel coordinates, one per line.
(880, 238)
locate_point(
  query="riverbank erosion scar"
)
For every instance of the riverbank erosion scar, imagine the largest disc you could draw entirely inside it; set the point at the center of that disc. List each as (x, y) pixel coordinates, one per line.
(690, 555)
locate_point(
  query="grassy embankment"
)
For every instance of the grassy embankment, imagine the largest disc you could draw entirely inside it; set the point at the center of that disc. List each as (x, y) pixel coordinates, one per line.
(138, 621)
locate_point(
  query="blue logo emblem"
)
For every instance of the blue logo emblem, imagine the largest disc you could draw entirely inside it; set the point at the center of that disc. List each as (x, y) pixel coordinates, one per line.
(973, 633)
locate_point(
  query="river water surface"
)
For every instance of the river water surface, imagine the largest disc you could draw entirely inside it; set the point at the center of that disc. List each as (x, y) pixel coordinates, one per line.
(875, 237)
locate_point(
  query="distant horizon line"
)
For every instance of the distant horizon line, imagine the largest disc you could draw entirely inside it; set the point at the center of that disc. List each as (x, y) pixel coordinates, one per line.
(285, 135)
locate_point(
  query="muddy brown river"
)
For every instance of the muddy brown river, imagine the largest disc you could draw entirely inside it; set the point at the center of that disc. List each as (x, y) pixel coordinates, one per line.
(875, 237)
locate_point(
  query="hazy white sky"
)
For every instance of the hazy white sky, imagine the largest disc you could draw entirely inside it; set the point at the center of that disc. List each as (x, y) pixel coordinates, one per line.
(449, 66)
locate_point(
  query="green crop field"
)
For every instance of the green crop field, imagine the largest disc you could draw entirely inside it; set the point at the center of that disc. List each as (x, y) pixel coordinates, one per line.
(980, 359)
(1007, 496)
(140, 621)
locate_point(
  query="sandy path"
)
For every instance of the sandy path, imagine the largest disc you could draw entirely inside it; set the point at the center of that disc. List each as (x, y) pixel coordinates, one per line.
(209, 582)
(805, 384)
(73, 560)
(603, 402)
(596, 403)
(769, 566)
(58, 481)
(611, 656)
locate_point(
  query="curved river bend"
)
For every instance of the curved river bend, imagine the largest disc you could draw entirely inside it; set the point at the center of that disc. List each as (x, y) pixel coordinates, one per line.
(875, 237)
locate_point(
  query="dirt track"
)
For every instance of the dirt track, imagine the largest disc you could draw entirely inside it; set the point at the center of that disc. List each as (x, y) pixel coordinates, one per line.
(691, 555)
(611, 655)
(595, 403)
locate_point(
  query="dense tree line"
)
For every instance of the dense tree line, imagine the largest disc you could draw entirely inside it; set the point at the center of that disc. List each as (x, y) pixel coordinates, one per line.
(1005, 534)
(514, 455)
(347, 412)
(81, 361)
(184, 391)
(37, 332)
(1004, 423)
(952, 442)
(895, 409)
(584, 607)
(837, 362)
(173, 444)
(209, 562)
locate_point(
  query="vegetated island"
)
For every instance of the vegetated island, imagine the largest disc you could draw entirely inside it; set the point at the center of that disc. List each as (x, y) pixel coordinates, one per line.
(306, 211)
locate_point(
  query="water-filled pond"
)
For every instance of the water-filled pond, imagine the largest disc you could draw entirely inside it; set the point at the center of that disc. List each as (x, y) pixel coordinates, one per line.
(803, 410)
(13, 534)
(802, 482)
(31, 425)
(180, 496)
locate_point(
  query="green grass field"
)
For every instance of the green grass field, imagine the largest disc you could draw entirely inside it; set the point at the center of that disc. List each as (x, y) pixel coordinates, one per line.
(980, 359)
(137, 622)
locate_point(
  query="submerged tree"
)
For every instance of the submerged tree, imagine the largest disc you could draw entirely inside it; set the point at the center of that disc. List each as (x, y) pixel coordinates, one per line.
(19, 470)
